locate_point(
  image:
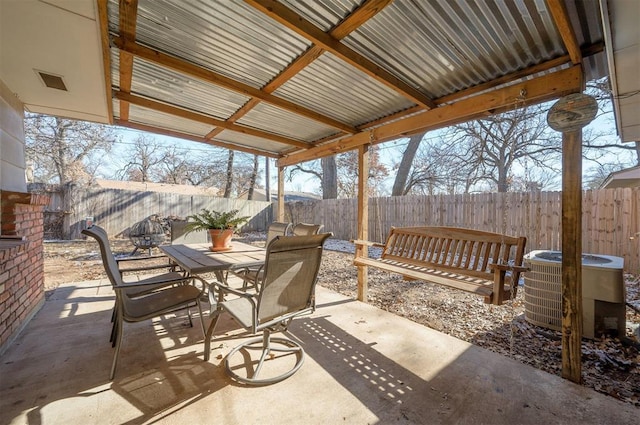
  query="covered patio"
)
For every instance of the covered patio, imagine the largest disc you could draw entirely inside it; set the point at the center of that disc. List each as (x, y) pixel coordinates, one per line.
(363, 365)
(299, 81)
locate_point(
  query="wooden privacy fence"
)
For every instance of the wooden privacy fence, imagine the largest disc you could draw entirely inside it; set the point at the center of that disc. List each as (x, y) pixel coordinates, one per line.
(117, 209)
(610, 217)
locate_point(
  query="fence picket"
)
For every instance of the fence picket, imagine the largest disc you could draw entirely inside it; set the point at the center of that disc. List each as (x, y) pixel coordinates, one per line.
(611, 221)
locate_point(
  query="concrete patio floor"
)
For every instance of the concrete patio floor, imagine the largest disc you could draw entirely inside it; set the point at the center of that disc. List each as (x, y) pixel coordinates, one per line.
(363, 366)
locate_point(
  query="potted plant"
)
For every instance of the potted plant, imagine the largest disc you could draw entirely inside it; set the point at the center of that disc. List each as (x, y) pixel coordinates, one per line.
(219, 224)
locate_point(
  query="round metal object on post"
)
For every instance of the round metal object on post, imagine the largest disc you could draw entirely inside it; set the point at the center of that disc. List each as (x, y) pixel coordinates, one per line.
(572, 112)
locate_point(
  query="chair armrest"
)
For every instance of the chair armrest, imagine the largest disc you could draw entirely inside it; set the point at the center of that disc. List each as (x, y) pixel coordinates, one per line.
(128, 285)
(507, 267)
(151, 257)
(145, 268)
(367, 243)
(227, 289)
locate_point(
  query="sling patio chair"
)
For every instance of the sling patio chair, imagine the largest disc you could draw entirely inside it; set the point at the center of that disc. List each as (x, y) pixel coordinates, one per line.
(305, 229)
(145, 298)
(287, 291)
(251, 276)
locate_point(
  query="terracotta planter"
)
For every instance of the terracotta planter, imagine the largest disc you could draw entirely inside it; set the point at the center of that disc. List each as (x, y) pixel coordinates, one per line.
(220, 239)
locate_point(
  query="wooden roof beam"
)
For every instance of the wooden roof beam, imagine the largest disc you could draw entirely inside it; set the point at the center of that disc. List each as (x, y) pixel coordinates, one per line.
(205, 119)
(128, 13)
(563, 24)
(185, 136)
(536, 90)
(366, 11)
(196, 71)
(351, 23)
(103, 19)
(308, 30)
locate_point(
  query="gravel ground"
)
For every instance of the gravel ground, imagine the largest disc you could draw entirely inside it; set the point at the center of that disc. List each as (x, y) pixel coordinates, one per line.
(610, 366)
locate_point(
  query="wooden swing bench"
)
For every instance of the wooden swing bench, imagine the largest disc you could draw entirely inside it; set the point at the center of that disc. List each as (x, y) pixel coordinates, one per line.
(484, 263)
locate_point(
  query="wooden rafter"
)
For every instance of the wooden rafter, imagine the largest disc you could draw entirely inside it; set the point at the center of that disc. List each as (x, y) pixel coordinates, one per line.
(308, 30)
(205, 119)
(365, 12)
(563, 24)
(103, 19)
(185, 136)
(536, 90)
(128, 12)
(196, 71)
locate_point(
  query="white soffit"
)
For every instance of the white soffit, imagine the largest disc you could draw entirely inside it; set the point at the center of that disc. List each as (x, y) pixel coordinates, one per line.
(58, 37)
(623, 52)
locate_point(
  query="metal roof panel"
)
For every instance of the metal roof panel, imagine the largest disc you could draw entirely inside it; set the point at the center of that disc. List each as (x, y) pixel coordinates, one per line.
(228, 37)
(278, 121)
(166, 85)
(168, 122)
(335, 89)
(252, 141)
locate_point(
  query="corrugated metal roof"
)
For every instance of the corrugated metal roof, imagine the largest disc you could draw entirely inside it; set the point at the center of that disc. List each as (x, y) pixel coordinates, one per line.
(436, 47)
(443, 47)
(252, 141)
(337, 90)
(178, 89)
(278, 121)
(150, 117)
(227, 37)
(326, 14)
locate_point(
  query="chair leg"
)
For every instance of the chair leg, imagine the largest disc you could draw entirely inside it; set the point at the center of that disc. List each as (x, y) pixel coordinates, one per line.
(118, 343)
(264, 345)
(114, 333)
(204, 332)
(207, 337)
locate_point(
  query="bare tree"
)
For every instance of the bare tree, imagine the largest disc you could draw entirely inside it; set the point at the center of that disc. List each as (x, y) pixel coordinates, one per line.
(146, 158)
(325, 170)
(404, 168)
(229, 180)
(348, 173)
(175, 167)
(497, 143)
(63, 150)
(253, 177)
(329, 177)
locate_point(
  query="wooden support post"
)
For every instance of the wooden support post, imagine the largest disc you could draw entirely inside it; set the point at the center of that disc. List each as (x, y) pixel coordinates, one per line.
(280, 213)
(363, 219)
(572, 255)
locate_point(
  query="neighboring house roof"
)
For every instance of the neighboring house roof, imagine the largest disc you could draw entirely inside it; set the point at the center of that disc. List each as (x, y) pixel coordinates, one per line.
(629, 177)
(158, 187)
(260, 195)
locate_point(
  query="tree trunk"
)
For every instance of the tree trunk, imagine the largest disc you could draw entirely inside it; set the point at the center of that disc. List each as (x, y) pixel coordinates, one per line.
(229, 184)
(409, 154)
(267, 178)
(253, 177)
(329, 178)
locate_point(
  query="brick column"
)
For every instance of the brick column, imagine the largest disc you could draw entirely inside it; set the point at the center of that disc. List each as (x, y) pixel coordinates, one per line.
(21, 262)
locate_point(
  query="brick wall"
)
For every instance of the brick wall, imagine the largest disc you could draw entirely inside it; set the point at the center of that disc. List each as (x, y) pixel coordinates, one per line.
(21, 262)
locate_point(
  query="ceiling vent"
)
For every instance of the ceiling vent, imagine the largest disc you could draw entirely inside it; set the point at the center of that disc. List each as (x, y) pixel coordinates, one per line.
(52, 81)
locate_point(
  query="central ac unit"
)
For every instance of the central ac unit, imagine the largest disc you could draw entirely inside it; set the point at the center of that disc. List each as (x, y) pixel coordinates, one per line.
(603, 292)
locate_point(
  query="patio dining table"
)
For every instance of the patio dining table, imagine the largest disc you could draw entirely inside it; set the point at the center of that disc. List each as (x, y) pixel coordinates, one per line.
(198, 259)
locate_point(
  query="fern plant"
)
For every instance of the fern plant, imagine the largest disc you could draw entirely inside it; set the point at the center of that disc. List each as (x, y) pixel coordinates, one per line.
(211, 219)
